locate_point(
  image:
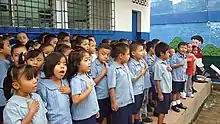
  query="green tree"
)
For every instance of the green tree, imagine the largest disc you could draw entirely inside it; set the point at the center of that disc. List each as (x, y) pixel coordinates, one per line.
(174, 43)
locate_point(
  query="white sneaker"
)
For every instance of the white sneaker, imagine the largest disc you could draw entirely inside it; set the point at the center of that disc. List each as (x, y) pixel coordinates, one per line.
(183, 95)
(192, 96)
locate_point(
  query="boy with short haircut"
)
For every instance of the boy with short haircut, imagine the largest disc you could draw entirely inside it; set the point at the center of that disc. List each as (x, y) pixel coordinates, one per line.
(92, 47)
(178, 64)
(63, 37)
(138, 69)
(16, 50)
(5, 50)
(99, 73)
(163, 80)
(22, 37)
(120, 85)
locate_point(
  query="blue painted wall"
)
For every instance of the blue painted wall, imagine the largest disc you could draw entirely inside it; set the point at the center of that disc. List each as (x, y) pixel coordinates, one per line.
(184, 18)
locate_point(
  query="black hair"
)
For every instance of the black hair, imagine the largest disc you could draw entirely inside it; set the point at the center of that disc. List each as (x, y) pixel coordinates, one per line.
(149, 45)
(50, 63)
(17, 45)
(30, 54)
(61, 48)
(22, 32)
(2, 39)
(133, 47)
(90, 36)
(155, 41)
(193, 47)
(141, 41)
(29, 44)
(13, 74)
(108, 41)
(75, 57)
(105, 46)
(161, 48)
(181, 44)
(74, 36)
(120, 48)
(48, 38)
(197, 37)
(62, 35)
(79, 40)
(42, 36)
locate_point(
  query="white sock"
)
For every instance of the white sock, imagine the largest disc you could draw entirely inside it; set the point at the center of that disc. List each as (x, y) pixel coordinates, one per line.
(178, 102)
(173, 103)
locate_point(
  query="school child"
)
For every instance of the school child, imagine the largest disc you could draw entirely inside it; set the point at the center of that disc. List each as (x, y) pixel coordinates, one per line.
(63, 37)
(24, 106)
(81, 41)
(178, 64)
(85, 108)
(92, 47)
(172, 52)
(5, 52)
(22, 37)
(147, 86)
(16, 50)
(120, 85)
(34, 58)
(99, 74)
(66, 43)
(107, 41)
(54, 90)
(64, 49)
(138, 69)
(51, 39)
(47, 49)
(163, 80)
(194, 51)
(42, 36)
(74, 36)
(32, 44)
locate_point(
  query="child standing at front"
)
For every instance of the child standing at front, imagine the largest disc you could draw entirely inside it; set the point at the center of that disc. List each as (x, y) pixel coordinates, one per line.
(85, 108)
(99, 74)
(120, 85)
(25, 106)
(179, 64)
(163, 80)
(4, 65)
(138, 69)
(55, 91)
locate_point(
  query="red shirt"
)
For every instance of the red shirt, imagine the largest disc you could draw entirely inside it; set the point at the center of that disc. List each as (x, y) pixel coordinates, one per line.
(190, 64)
(199, 53)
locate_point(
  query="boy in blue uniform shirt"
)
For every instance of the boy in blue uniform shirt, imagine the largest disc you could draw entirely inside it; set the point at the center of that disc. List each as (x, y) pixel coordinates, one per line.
(179, 64)
(120, 85)
(163, 80)
(99, 74)
(4, 65)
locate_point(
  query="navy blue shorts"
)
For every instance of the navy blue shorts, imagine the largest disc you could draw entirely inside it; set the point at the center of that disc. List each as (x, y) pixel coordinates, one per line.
(138, 100)
(177, 87)
(123, 115)
(91, 120)
(105, 109)
(153, 90)
(1, 113)
(163, 106)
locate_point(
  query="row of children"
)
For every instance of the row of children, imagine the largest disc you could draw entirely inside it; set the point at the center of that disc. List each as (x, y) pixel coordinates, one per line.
(96, 84)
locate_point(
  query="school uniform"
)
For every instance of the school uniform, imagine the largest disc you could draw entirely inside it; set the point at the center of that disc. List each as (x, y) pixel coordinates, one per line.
(164, 76)
(4, 65)
(120, 79)
(178, 74)
(56, 103)
(138, 86)
(17, 109)
(84, 112)
(101, 89)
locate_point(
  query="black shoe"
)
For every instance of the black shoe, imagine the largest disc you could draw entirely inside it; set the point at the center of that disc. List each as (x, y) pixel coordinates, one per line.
(194, 90)
(147, 119)
(174, 108)
(155, 114)
(149, 109)
(181, 106)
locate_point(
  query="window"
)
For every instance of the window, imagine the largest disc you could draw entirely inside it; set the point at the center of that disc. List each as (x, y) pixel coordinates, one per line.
(76, 14)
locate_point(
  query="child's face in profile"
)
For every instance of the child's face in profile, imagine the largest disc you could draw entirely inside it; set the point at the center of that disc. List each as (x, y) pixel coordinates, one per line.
(189, 48)
(125, 57)
(92, 47)
(85, 45)
(195, 50)
(54, 42)
(48, 50)
(16, 53)
(84, 65)
(67, 52)
(138, 53)
(104, 55)
(166, 55)
(60, 69)
(183, 49)
(6, 51)
(22, 37)
(37, 61)
(172, 52)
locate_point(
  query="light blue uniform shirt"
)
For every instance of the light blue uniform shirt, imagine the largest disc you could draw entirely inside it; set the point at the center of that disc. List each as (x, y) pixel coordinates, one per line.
(17, 109)
(4, 65)
(150, 61)
(56, 103)
(135, 68)
(120, 78)
(163, 75)
(147, 82)
(89, 106)
(179, 74)
(102, 87)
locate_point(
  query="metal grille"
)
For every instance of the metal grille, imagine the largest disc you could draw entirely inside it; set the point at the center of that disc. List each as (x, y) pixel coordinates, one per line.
(76, 14)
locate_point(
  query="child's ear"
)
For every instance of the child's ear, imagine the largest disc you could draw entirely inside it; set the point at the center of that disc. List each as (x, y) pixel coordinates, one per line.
(120, 56)
(16, 85)
(133, 53)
